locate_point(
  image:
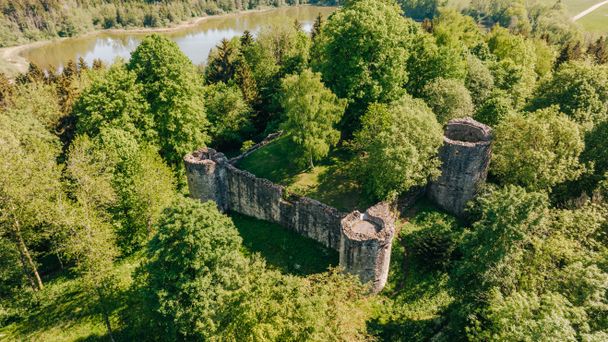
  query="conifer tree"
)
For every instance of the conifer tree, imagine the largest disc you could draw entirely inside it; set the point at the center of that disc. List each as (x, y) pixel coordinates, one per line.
(316, 27)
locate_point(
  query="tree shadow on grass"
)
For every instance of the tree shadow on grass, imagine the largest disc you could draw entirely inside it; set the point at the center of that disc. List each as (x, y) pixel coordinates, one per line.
(65, 305)
(340, 186)
(283, 249)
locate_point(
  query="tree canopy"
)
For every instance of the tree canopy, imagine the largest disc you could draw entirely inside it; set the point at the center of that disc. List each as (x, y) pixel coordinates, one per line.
(537, 150)
(399, 142)
(362, 52)
(311, 112)
(173, 91)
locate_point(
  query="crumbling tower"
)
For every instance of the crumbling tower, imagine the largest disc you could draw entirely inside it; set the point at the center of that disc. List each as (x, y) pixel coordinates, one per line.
(206, 176)
(365, 244)
(465, 157)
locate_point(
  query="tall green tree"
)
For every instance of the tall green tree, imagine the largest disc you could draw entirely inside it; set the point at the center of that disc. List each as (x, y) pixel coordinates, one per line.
(90, 239)
(223, 61)
(144, 185)
(399, 144)
(479, 80)
(173, 90)
(115, 99)
(311, 111)
(193, 267)
(229, 114)
(430, 60)
(362, 53)
(30, 186)
(449, 99)
(537, 150)
(529, 272)
(579, 89)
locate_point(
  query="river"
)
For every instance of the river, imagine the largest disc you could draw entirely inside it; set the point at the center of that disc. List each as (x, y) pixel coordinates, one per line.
(194, 40)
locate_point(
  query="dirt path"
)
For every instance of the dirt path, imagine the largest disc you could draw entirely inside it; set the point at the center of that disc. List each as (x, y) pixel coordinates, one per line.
(589, 10)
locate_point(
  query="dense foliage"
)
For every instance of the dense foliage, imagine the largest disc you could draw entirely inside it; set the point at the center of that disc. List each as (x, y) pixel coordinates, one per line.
(399, 144)
(311, 111)
(94, 221)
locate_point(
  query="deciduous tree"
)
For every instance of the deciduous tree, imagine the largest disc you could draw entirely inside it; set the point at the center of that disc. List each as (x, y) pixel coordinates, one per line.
(174, 93)
(362, 53)
(537, 150)
(311, 112)
(399, 142)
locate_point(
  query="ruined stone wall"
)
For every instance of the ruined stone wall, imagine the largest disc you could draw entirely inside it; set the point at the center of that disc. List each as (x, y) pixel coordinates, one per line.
(212, 177)
(465, 157)
(262, 199)
(364, 253)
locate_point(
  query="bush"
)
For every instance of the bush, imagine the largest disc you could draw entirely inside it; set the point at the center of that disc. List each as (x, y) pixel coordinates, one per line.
(436, 240)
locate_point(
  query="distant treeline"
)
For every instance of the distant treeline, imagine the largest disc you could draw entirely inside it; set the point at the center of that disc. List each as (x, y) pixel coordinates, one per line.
(22, 21)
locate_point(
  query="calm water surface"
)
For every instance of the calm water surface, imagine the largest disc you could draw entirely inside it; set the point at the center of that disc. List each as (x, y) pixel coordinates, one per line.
(195, 41)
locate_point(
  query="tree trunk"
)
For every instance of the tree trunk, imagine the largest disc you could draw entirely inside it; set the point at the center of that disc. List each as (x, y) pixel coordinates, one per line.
(26, 259)
(104, 313)
(312, 166)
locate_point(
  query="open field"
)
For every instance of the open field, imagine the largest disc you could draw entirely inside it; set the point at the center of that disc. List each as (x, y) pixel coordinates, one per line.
(596, 22)
(330, 181)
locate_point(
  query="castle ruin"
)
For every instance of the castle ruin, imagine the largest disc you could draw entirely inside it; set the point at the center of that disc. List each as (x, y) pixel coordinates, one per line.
(363, 240)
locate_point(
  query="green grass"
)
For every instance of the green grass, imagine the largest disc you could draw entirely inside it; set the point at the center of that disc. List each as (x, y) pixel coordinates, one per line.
(331, 181)
(285, 250)
(415, 296)
(64, 313)
(597, 21)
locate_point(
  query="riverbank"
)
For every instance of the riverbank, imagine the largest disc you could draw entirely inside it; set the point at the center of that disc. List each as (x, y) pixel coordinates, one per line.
(12, 61)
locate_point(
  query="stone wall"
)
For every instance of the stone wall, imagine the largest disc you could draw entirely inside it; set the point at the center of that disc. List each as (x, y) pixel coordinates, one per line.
(212, 177)
(465, 157)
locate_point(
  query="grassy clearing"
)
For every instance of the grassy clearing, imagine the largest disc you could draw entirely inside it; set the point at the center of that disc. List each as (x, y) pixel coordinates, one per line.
(283, 249)
(331, 181)
(596, 21)
(63, 312)
(415, 295)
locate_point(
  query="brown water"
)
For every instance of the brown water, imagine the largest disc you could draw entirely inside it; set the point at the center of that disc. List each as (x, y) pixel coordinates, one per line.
(195, 41)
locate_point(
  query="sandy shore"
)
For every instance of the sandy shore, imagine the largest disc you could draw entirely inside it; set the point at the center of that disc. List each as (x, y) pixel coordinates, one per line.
(12, 61)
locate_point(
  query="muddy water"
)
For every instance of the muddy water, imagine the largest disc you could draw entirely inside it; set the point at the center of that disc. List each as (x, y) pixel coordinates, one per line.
(195, 41)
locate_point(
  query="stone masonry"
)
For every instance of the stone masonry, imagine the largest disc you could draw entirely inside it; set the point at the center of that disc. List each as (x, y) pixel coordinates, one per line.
(465, 157)
(362, 240)
(365, 246)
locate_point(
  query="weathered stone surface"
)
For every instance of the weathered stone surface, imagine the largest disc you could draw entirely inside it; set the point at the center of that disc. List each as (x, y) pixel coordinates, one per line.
(205, 177)
(212, 177)
(365, 244)
(465, 157)
(364, 247)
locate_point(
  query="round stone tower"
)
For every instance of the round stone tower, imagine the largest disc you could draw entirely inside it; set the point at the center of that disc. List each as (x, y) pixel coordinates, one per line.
(465, 157)
(365, 244)
(206, 174)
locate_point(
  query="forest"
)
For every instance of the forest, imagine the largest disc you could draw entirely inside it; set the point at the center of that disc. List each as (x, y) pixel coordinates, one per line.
(99, 239)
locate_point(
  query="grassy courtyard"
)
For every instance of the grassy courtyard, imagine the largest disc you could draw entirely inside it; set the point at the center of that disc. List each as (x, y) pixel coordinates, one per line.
(285, 250)
(331, 181)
